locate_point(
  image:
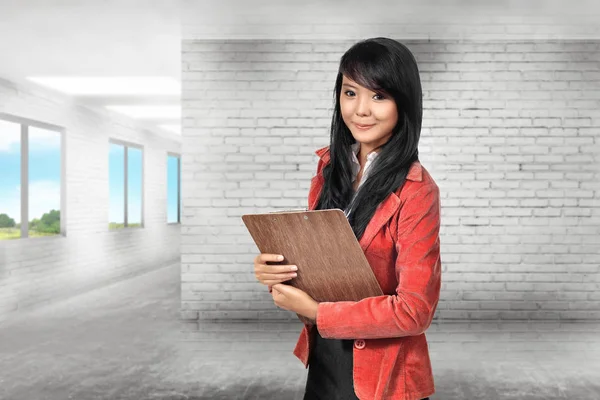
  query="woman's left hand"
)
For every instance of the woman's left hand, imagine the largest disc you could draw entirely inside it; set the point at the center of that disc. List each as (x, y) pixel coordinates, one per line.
(294, 299)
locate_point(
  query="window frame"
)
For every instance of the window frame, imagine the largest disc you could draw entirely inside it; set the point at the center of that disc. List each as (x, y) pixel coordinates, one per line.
(25, 123)
(127, 145)
(178, 156)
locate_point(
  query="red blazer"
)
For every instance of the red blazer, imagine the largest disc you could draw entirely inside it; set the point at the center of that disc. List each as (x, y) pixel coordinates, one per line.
(401, 243)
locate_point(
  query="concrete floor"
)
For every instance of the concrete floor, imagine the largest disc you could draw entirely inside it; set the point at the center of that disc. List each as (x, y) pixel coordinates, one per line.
(126, 341)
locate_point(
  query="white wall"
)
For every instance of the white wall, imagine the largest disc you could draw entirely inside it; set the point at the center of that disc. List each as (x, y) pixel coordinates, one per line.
(511, 135)
(497, 20)
(38, 270)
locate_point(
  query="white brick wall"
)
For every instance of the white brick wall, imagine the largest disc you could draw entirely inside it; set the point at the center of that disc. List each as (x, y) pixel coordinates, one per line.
(511, 135)
(35, 271)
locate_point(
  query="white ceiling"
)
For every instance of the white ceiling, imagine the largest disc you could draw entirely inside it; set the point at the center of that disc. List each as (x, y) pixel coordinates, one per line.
(101, 38)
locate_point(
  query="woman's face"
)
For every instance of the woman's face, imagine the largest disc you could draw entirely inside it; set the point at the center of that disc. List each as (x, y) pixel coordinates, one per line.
(361, 106)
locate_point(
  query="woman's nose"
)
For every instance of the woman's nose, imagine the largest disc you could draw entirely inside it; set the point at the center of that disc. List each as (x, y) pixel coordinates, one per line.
(363, 107)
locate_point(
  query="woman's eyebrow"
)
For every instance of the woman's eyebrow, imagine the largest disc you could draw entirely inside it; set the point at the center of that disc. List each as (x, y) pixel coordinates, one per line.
(354, 87)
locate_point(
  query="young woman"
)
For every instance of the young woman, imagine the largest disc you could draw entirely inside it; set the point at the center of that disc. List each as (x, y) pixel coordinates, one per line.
(374, 348)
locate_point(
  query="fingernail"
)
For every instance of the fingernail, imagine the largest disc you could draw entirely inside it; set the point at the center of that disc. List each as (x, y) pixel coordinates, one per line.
(280, 258)
(294, 268)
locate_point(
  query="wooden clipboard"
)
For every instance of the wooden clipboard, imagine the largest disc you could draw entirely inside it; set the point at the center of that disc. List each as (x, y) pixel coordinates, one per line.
(331, 263)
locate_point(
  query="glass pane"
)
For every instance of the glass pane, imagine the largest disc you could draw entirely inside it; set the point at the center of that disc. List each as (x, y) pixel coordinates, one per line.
(134, 187)
(44, 182)
(116, 182)
(172, 189)
(10, 180)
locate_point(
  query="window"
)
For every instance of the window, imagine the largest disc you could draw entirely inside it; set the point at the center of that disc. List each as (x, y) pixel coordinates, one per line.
(31, 188)
(126, 185)
(173, 189)
(10, 180)
(133, 218)
(116, 179)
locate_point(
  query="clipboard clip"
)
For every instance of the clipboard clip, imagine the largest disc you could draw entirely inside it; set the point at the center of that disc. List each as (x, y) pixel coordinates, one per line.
(291, 210)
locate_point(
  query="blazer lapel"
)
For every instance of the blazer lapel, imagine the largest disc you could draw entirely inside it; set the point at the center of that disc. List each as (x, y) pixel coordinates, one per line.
(384, 212)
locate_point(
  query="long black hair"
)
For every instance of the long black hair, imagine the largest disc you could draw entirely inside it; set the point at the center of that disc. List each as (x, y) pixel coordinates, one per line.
(386, 66)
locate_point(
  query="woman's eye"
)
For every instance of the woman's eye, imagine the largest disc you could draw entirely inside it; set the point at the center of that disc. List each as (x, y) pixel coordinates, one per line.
(381, 97)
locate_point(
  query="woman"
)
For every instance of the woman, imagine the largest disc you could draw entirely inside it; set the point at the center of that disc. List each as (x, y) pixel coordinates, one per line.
(374, 348)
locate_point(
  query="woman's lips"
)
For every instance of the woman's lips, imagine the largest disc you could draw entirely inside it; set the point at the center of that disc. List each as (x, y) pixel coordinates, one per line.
(364, 127)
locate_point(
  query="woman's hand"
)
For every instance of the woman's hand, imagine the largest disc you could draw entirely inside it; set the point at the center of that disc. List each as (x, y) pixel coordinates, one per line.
(271, 274)
(294, 299)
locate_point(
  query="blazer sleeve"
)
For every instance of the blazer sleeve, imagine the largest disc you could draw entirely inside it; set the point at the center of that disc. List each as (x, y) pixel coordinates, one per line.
(410, 311)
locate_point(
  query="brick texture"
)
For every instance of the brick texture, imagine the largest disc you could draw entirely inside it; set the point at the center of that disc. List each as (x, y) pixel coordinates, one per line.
(510, 134)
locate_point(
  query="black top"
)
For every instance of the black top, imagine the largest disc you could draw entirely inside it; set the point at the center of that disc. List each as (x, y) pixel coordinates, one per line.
(330, 370)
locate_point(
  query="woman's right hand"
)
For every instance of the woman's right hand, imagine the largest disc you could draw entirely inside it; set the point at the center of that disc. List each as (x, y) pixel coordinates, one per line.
(272, 274)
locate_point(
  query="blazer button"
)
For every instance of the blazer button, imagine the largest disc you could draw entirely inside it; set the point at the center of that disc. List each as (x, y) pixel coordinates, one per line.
(359, 344)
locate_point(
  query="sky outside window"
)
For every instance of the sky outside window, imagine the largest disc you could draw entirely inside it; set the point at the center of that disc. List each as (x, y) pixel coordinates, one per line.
(116, 178)
(134, 187)
(10, 179)
(173, 189)
(44, 182)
